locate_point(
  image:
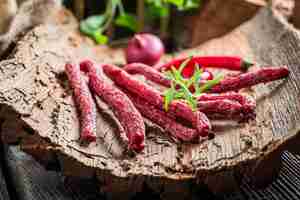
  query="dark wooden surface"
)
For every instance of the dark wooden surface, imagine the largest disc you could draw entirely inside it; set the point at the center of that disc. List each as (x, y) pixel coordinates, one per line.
(30, 181)
(3, 187)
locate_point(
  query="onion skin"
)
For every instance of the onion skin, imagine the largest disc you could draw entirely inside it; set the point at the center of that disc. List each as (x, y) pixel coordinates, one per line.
(144, 48)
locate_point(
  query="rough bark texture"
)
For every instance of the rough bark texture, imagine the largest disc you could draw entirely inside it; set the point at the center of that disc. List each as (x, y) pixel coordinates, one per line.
(34, 93)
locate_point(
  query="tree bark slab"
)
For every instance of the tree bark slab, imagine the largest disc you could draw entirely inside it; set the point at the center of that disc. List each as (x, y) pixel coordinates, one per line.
(37, 102)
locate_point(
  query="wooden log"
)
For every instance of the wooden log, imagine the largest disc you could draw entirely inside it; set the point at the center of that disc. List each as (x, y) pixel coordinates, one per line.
(33, 85)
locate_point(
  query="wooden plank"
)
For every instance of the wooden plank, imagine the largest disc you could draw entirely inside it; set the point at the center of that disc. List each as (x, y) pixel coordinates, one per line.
(32, 182)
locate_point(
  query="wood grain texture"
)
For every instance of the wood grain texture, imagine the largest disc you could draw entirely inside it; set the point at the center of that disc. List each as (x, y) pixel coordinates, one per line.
(33, 86)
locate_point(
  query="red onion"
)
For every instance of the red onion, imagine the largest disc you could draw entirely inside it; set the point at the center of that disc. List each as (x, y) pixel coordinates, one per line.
(144, 48)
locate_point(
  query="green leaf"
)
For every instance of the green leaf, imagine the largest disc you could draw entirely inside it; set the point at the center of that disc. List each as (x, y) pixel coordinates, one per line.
(189, 97)
(156, 3)
(197, 78)
(191, 4)
(128, 21)
(182, 92)
(168, 75)
(184, 63)
(158, 7)
(84, 28)
(95, 34)
(169, 96)
(156, 11)
(115, 2)
(92, 25)
(177, 75)
(95, 21)
(177, 3)
(179, 94)
(209, 84)
(100, 38)
(191, 100)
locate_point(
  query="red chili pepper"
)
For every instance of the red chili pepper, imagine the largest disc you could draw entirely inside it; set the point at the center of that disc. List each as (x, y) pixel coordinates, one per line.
(85, 103)
(225, 62)
(177, 108)
(249, 79)
(129, 117)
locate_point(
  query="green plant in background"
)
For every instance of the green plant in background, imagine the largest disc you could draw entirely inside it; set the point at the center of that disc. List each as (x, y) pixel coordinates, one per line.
(96, 25)
(162, 9)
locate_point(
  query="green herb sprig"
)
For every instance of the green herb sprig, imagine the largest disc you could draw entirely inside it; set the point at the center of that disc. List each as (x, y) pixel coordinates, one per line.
(179, 89)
